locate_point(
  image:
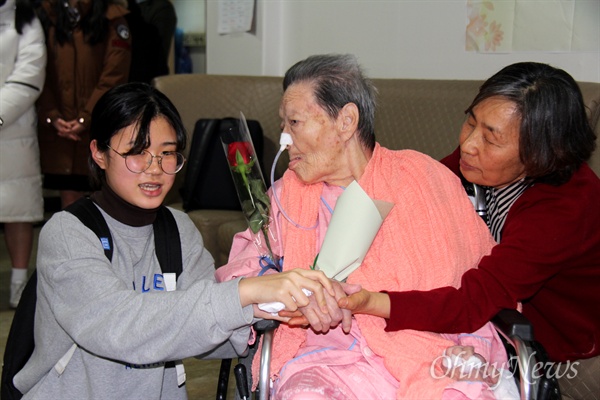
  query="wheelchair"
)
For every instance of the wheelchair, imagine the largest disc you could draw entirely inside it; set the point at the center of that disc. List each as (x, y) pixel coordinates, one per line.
(525, 356)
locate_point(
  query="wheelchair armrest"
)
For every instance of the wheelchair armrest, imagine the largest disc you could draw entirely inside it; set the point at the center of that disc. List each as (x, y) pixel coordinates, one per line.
(262, 327)
(265, 325)
(512, 323)
(518, 332)
(267, 328)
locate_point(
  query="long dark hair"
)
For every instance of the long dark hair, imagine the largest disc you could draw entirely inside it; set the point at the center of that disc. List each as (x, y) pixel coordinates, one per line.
(555, 135)
(93, 23)
(124, 105)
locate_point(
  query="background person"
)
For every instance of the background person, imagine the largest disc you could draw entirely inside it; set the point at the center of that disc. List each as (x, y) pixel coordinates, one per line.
(22, 72)
(526, 139)
(122, 331)
(161, 14)
(89, 51)
(147, 57)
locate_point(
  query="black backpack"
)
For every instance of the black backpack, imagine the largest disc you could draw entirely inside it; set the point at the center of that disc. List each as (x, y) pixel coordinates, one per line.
(208, 183)
(20, 342)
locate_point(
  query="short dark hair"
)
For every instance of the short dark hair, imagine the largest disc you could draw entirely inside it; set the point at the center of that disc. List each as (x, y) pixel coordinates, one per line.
(338, 80)
(555, 136)
(131, 103)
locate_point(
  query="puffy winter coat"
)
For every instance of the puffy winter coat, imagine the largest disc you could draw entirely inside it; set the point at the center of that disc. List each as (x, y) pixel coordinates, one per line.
(22, 71)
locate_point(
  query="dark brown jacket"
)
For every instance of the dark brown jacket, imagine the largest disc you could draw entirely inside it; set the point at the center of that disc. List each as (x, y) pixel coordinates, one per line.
(77, 75)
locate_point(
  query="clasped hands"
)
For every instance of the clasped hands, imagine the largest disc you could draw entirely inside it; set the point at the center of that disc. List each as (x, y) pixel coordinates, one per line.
(330, 304)
(324, 316)
(68, 129)
(321, 311)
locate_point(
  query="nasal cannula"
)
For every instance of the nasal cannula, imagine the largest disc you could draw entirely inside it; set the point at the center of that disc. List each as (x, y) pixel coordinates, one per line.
(285, 140)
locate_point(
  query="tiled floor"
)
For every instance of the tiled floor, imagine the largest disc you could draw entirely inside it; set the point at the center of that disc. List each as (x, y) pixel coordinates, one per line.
(201, 375)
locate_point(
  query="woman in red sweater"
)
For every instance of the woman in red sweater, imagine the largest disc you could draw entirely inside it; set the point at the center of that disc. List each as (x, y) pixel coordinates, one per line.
(525, 142)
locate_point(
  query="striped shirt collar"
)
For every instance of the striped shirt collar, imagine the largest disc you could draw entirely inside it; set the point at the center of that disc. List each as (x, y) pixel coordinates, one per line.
(499, 202)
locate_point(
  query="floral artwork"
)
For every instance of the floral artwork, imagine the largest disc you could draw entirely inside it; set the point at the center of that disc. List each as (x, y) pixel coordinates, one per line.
(484, 32)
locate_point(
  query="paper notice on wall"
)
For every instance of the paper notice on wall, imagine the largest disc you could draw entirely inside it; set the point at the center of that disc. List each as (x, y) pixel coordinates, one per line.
(546, 28)
(235, 16)
(521, 25)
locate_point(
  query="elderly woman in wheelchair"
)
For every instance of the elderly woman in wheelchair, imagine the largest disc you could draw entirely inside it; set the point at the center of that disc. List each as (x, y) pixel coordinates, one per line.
(430, 238)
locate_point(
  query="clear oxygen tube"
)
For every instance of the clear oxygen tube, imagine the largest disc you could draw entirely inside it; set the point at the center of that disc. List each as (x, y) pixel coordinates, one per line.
(285, 140)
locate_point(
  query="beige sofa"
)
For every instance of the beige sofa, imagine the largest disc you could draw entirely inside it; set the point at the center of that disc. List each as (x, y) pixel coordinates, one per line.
(424, 115)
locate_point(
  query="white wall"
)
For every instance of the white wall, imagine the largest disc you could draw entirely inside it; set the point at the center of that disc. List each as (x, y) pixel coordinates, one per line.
(191, 17)
(392, 39)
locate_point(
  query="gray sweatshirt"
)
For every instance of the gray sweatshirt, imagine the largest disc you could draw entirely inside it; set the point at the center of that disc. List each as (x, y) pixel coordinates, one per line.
(123, 321)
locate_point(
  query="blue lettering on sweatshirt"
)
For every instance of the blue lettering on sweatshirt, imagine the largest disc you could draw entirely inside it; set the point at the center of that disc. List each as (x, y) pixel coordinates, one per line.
(157, 282)
(144, 288)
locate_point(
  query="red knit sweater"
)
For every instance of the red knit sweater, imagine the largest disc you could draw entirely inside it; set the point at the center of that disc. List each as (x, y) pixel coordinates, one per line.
(548, 259)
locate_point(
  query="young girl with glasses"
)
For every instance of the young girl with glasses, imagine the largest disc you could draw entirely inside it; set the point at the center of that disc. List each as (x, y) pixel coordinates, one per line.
(123, 329)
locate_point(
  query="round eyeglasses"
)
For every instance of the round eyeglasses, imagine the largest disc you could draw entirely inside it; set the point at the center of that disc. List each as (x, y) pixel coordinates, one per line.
(170, 162)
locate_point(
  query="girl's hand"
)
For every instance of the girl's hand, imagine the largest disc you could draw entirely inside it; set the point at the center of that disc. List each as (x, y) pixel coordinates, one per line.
(258, 313)
(286, 288)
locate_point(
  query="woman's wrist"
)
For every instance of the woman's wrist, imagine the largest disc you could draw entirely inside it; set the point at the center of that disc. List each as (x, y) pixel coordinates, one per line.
(379, 304)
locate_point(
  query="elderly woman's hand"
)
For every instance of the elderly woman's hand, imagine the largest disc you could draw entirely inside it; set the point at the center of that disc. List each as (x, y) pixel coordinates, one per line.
(322, 322)
(463, 364)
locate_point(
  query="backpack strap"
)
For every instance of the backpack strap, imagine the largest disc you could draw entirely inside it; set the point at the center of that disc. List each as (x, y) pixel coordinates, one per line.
(167, 245)
(167, 242)
(89, 215)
